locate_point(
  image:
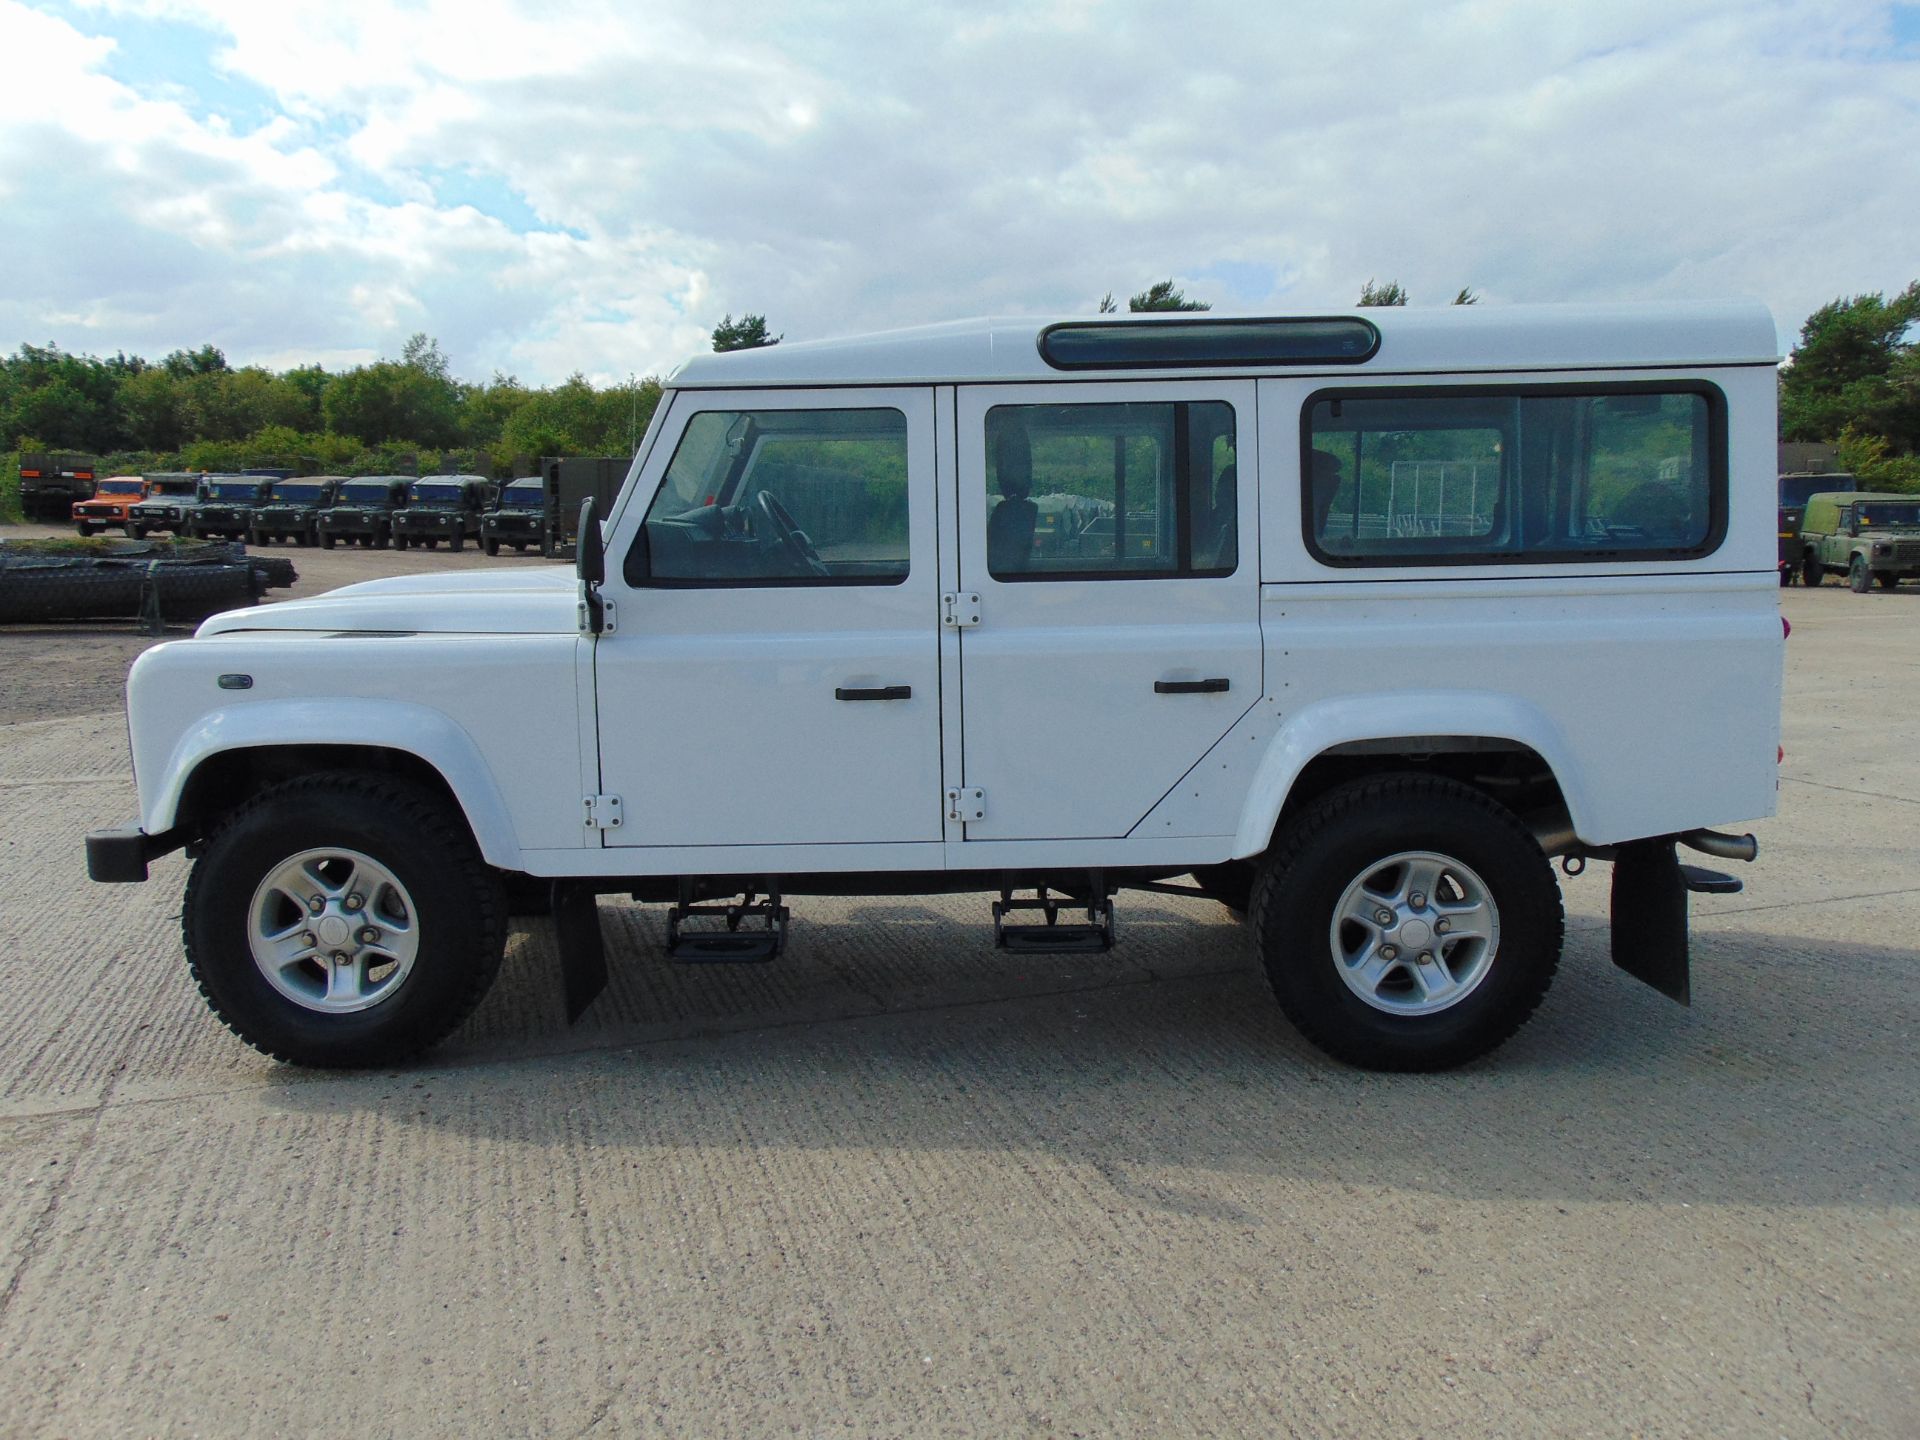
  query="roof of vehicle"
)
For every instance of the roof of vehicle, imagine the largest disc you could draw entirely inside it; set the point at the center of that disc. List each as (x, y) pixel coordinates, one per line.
(1413, 340)
(1864, 497)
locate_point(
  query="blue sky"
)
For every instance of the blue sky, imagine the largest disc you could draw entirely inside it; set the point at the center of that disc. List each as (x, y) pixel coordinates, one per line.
(593, 185)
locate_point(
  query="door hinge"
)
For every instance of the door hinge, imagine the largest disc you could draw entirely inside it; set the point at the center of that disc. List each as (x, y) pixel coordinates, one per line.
(603, 812)
(959, 611)
(966, 804)
(596, 608)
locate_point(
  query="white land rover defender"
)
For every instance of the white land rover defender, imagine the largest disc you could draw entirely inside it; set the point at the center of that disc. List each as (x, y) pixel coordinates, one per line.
(1360, 621)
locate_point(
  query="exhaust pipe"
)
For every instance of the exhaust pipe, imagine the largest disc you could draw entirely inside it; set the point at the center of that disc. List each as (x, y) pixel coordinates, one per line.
(1726, 847)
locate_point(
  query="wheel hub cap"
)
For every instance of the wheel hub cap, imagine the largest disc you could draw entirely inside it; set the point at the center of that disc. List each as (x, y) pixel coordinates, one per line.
(333, 930)
(1415, 933)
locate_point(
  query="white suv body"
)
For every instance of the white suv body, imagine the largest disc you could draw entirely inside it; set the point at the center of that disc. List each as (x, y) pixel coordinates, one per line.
(1088, 604)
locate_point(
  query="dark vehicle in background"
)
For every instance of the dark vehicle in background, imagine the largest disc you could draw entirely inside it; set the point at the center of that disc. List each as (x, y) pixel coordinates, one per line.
(172, 495)
(226, 507)
(111, 504)
(52, 480)
(293, 510)
(571, 480)
(519, 519)
(362, 510)
(1795, 491)
(1869, 537)
(442, 507)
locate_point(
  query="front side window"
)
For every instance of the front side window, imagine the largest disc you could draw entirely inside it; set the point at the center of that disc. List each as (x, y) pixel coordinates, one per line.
(1513, 475)
(780, 497)
(1112, 491)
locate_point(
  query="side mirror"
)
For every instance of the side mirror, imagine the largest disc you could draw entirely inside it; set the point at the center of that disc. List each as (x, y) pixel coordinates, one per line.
(590, 552)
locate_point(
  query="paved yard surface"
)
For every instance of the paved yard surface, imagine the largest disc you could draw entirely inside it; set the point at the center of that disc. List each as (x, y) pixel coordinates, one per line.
(900, 1184)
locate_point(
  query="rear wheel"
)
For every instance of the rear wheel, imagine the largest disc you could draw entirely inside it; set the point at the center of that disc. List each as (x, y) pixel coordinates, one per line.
(1811, 571)
(1407, 922)
(1859, 578)
(343, 919)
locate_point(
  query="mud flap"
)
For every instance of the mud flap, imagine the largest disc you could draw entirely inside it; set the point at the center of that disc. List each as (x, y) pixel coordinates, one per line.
(1650, 917)
(583, 952)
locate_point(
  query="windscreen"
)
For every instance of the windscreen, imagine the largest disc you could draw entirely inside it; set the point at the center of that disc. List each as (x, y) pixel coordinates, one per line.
(1798, 489)
(120, 487)
(370, 494)
(295, 492)
(234, 490)
(429, 491)
(524, 497)
(1884, 513)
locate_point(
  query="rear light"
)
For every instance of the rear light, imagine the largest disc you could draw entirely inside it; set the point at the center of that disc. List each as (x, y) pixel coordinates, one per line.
(29, 474)
(1786, 627)
(1780, 755)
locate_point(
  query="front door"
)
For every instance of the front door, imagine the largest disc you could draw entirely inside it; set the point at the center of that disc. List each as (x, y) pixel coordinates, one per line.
(773, 673)
(1114, 548)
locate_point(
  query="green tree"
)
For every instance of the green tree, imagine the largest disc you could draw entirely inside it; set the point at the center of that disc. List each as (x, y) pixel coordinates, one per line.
(1856, 366)
(153, 410)
(749, 332)
(1466, 296)
(1163, 295)
(1107, 307)
(1391, 293)
(203, 361)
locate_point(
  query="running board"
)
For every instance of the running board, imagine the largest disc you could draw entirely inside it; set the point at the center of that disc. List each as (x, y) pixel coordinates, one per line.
(1052, 937)
(1702, 881)
(735, 942)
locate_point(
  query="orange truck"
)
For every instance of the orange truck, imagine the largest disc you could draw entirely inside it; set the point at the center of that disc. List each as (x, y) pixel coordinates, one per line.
(116, 495)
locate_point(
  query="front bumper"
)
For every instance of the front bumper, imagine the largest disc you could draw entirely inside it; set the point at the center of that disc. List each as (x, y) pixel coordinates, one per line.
(430, 523)
(119, 857)
(353, 523)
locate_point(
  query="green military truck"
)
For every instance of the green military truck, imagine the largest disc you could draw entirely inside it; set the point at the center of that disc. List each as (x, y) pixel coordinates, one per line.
(1866, 536)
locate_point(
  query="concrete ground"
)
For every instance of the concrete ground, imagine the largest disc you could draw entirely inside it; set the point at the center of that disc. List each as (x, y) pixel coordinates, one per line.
(902, 1184)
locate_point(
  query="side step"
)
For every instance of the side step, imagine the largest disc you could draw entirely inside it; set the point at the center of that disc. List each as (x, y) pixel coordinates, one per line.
(1052, 937)
(1702, 881)
(736, 942)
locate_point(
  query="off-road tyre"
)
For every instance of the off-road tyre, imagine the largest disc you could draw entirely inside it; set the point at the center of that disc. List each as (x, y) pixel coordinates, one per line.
(1859, 577)
(492, 547)
(1786, 576)
(1812, 572)
(1337, 839)
(459, 909)
(401, 542)
(84, 528)
(455, 541)
(328, 540)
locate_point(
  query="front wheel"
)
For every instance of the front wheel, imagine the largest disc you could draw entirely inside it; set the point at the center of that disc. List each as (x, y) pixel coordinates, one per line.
(1407, 922)
(327, 541)
(84, 528)
(456, 540)
(1859, 578)
(400, 542)
(343, 919)
(492, 547)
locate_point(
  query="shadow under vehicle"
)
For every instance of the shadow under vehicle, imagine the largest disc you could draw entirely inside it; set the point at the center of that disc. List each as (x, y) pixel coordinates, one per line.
(293, 510)
(1870, 537)
(172, 496)
(362, 510)
(442, 507)
(519, 517)
(226, 507)
(112, 504)
(1795, 491)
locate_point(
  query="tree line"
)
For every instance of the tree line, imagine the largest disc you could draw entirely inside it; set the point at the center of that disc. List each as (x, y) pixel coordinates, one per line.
(1853, 380)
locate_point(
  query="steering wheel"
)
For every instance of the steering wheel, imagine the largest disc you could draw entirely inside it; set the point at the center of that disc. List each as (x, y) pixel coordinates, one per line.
(791, 537)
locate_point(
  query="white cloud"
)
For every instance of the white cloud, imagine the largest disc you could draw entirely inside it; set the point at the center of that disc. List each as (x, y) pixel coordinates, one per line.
(852, 166)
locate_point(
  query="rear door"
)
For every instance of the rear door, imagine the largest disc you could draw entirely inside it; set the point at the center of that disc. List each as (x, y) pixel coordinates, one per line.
(1113, 546)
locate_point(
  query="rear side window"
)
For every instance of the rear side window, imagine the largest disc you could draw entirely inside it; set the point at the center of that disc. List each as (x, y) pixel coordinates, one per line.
(1511, 475)
(1130, 491)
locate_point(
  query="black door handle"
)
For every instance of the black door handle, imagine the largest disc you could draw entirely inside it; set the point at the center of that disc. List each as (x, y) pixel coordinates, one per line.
(875, 692)
(1215, 686)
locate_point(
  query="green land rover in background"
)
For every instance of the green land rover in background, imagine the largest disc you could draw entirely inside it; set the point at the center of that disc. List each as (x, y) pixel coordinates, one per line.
(1865, 536)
